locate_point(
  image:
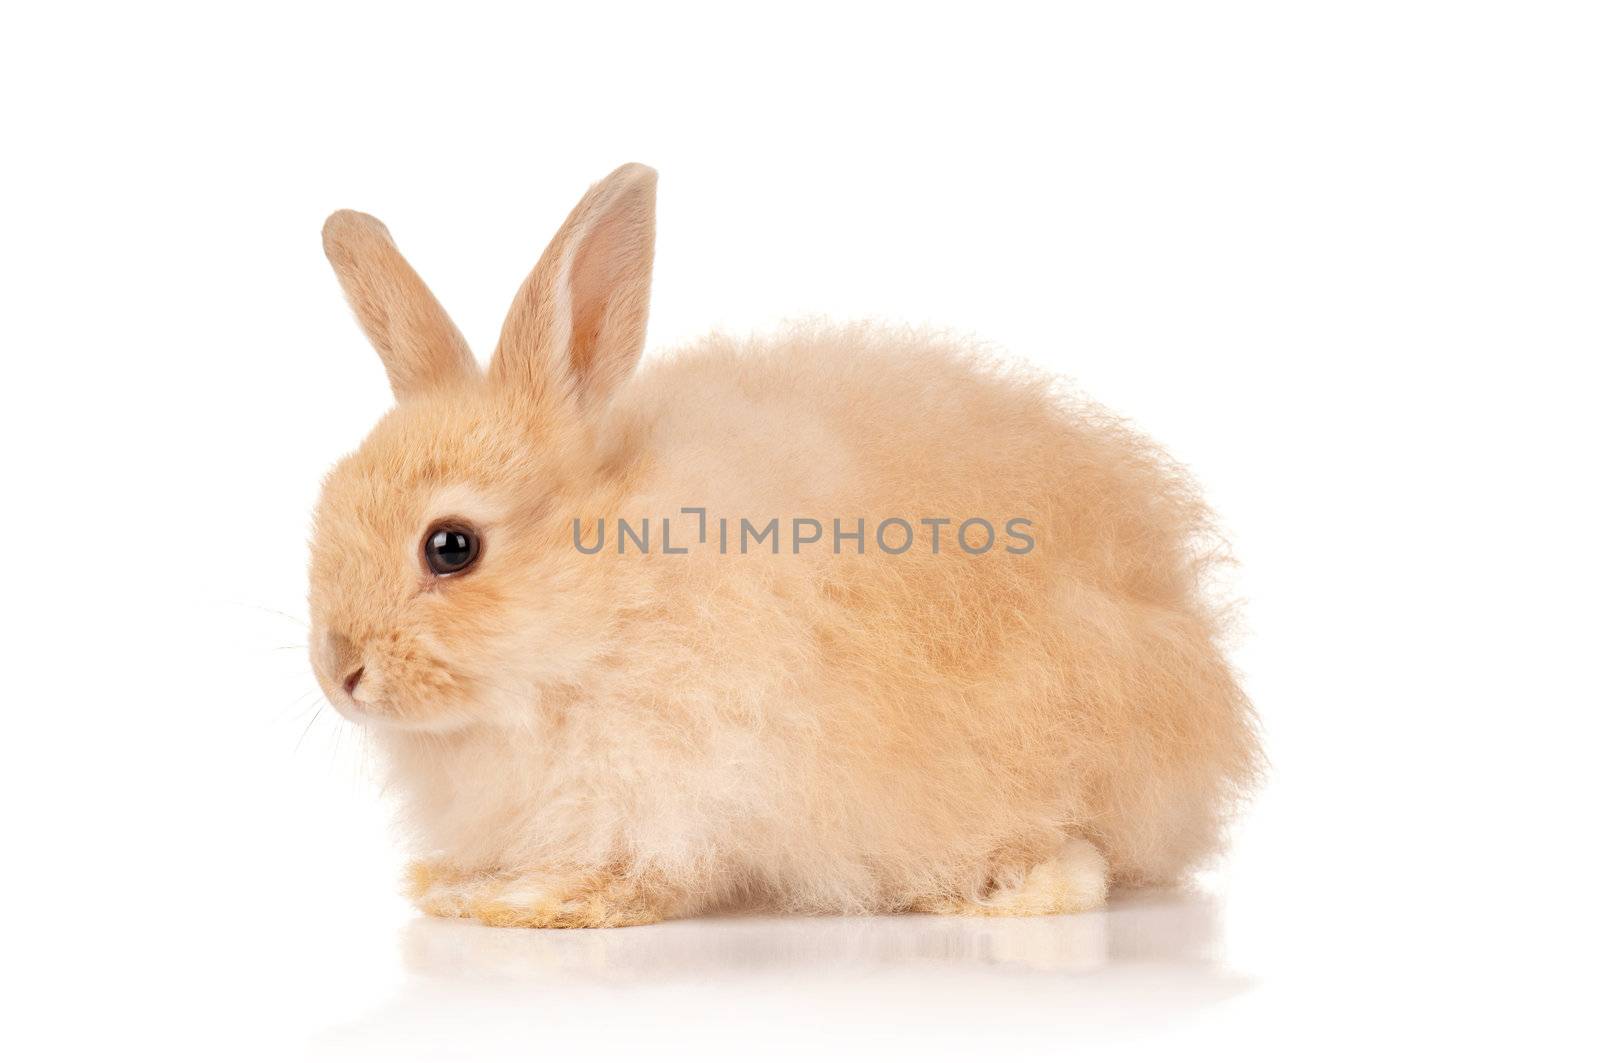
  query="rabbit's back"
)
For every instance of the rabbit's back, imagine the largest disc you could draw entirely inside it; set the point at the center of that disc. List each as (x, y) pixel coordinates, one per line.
(919, 711)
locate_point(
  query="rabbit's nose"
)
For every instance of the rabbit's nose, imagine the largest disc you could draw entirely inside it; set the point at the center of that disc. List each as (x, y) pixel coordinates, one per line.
(341, 658)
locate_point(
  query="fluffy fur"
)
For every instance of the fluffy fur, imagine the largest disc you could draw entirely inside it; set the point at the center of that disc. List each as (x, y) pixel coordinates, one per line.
(615, 739)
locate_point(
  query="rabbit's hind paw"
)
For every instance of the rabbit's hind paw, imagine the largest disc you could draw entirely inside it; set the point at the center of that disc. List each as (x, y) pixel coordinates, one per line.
(1074, 880)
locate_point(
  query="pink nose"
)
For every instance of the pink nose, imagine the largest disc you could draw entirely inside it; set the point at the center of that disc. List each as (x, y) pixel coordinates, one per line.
(353, 680)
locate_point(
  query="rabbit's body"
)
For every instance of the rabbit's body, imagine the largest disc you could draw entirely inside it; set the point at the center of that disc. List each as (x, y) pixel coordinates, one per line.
(1002, 725)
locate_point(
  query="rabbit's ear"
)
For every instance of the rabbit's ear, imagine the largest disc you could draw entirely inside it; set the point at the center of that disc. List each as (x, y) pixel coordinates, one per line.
(420, 347)
(577, 324)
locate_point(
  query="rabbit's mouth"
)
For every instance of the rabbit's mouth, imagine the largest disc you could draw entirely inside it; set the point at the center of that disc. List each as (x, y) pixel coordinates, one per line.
(389, 716)
(388, 682)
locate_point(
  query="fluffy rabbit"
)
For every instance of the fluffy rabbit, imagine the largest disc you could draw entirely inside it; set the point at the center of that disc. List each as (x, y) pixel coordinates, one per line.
(607, 736)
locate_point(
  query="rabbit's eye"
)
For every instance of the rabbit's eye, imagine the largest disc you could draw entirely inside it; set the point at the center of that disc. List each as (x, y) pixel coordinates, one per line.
(450, 549)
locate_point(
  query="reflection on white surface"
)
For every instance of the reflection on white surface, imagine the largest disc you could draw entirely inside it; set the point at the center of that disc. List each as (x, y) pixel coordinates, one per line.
(1175, 931)
(1149, 959)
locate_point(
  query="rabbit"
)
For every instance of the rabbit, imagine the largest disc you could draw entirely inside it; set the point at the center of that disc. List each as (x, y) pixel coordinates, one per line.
(677, 721)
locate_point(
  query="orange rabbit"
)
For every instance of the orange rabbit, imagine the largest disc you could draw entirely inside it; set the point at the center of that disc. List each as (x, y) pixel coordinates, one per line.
(851, 722)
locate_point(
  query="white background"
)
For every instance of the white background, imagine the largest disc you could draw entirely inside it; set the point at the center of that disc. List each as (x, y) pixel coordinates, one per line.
(1341, 259)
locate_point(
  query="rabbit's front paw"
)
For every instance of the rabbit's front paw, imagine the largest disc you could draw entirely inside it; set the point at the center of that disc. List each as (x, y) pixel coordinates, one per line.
(441, 889)
(603, 899)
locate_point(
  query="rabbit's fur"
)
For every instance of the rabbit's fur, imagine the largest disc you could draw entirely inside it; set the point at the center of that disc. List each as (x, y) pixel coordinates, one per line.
(614, 738)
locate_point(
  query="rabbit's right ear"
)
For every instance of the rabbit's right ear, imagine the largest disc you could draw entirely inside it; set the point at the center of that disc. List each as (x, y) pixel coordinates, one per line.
(576, 328)
(420, 346)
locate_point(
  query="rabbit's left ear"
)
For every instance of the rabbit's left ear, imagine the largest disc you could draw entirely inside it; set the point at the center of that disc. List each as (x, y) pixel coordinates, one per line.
(577, 325)
(419, 344)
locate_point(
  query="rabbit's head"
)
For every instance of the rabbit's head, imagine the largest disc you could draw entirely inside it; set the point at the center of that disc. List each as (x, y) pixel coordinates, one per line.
(440, 589)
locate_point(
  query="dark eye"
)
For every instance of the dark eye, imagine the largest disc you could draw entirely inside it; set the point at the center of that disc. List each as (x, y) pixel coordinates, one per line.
(450, 549)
